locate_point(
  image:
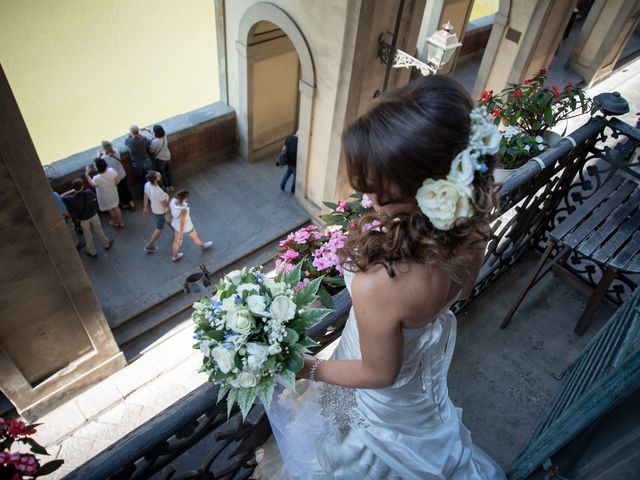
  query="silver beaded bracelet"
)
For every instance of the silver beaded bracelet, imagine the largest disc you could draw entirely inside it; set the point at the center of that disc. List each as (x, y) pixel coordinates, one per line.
(314, 368)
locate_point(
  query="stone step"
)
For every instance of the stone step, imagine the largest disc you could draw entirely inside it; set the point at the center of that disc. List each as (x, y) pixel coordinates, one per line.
(157, 319)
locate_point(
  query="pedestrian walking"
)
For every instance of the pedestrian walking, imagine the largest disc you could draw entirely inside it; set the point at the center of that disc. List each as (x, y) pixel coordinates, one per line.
(112, 157)
(159, 201)
(138, 146)
(105, 182)
(182, 225)
(82, 205)
(159, 148)
(290, 153)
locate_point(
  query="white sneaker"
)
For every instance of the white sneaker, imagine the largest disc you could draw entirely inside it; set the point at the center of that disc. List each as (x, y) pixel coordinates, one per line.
(178, 256)
(206, 245)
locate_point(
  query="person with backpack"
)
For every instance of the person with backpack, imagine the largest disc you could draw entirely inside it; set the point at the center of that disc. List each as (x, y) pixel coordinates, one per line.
(289, 154)
(82, 204)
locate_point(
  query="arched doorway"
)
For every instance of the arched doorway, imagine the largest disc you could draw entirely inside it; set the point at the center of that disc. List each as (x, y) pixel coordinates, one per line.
(273, 56)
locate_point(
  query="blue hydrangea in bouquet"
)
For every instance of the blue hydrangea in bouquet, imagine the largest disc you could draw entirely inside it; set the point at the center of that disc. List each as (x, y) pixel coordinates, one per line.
(253, 331)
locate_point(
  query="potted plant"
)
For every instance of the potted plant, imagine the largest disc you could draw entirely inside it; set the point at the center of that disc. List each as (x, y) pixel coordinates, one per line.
(533, 109)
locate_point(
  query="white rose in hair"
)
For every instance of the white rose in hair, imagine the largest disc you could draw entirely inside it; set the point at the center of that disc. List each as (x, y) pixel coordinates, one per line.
(247, 380)
(257, 305)
(223, 357)
(486, 139)
(444, 201)
(463, 168)
(283, 309)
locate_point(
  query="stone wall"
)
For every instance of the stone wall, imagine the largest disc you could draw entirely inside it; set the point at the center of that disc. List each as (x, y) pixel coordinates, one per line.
(197, 136)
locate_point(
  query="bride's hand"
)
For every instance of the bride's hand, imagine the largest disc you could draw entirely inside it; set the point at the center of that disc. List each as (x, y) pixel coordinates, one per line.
(309, 360)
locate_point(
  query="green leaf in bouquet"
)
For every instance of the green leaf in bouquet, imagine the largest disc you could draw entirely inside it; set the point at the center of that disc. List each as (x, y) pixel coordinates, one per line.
(246, 396)
(325, 297)
(237, 361)
(231, 398)
(289, 378)
(222, 391)
(298, 324)
(337, 281)
(308, 342)
(307, 294)
(265, 391)
(294, 361)
(217, 375)
(314, 315)
(291, 336)
(270, 363)
(48, 468)
(216, 335)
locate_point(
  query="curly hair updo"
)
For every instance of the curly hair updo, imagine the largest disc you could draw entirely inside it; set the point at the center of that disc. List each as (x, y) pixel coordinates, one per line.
(409, 135)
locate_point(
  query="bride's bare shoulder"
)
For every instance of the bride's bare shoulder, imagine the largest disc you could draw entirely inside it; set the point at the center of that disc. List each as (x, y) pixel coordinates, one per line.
(414, 293)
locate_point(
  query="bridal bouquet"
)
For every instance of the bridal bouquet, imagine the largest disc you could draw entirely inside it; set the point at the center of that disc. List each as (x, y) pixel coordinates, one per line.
(254, 329)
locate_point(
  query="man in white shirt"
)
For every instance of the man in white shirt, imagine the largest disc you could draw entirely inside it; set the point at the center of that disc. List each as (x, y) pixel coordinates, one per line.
(159, 201)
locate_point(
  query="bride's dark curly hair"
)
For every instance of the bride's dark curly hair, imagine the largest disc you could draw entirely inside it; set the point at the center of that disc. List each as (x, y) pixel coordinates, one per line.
(409, 135)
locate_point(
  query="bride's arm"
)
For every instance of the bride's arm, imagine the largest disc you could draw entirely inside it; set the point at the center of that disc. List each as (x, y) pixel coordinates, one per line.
(376, 306)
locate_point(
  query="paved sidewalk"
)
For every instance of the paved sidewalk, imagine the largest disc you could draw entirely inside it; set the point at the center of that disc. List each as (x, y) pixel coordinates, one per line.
(236, 204)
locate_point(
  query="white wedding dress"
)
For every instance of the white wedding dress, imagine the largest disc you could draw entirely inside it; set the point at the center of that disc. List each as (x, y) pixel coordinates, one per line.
(410, 430)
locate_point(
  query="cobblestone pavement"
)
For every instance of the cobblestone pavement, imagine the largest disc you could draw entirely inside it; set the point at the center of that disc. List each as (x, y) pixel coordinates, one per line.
(236, 204)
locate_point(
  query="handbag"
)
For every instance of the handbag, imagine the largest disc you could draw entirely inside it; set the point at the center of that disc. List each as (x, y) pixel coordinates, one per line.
(282, 157)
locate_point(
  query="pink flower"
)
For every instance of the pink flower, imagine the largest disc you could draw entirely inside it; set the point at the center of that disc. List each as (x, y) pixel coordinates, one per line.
(352, 224)
(373, 225)
(302, 236)
(4, 457)
(289, 255)
(366, 201)
(288, 267)
(283, 243)
(280, 265)
(306, 273)
(342, 206)
(311, 228)
(302, 283)
(27, 464)
(290, 237)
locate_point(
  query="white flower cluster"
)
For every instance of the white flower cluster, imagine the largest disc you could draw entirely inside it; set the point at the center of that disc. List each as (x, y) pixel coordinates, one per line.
(252, 329)
(446, 200)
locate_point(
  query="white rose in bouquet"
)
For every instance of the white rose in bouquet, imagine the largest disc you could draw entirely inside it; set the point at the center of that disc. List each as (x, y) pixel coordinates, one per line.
(256, 355)
(276, 288)
(223, 358)
(257, 305)
(235, 277)
(274, 349)
(229, 304)
(282, 309)
(247, 380)
(240, 321)
(247, 287)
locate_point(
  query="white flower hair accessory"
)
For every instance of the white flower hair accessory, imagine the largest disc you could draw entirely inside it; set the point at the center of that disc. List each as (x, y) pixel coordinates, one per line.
(445, 201)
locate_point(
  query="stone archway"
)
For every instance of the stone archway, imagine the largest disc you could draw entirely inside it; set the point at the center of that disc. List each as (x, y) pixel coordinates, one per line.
(268, 12)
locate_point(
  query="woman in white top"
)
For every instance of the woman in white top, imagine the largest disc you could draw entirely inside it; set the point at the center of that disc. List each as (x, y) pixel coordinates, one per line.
(106, 190)
(181, 224)
(112, 157)
(159, 148)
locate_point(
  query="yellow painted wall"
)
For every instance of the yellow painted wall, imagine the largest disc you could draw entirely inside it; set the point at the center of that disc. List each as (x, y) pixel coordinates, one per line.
(84, 70)
(275, 98)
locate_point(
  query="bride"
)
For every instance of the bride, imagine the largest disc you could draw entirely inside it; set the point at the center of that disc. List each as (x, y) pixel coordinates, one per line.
(379, 407)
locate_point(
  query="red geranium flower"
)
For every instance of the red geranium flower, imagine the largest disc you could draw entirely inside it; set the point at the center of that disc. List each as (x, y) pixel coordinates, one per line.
(568, 85)
(517, 93)
(16, 428)
(556, 92)
(486, 95)
(496, 112)
(528, 81)
(542, 71)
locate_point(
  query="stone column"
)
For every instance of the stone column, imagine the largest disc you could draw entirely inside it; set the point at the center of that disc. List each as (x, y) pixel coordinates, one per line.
(528, 42)
(363, 74)
(54, 338)
(603, 36)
